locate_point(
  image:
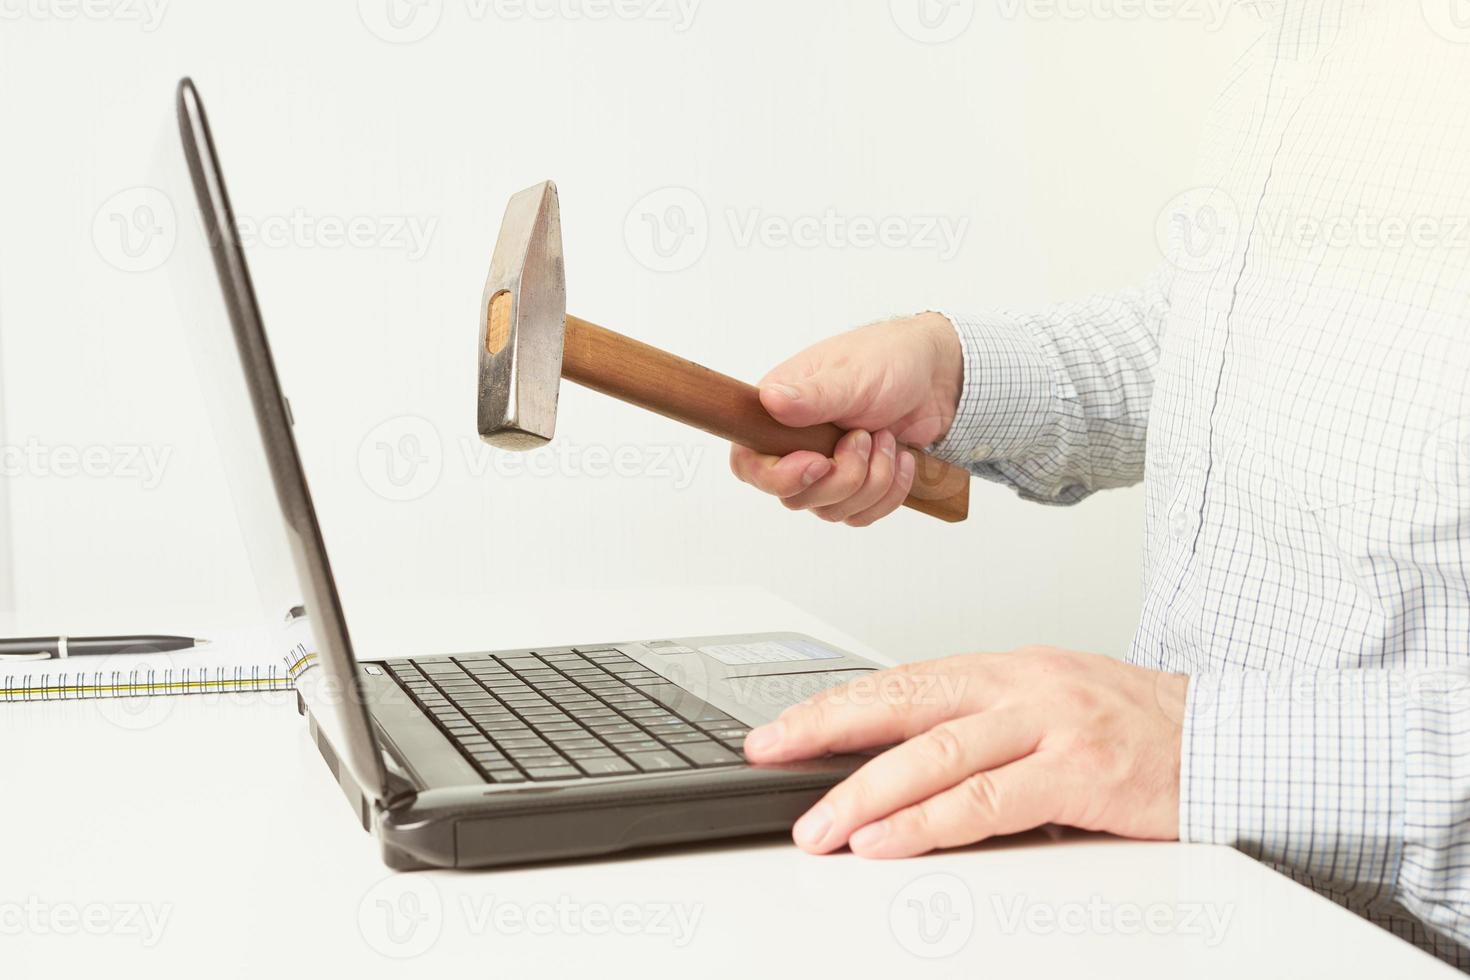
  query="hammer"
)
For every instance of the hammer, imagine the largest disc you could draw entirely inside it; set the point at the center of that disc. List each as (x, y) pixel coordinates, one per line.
(528, 343)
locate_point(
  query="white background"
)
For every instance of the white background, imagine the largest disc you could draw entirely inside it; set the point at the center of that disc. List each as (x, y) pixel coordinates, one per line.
(1056, 132)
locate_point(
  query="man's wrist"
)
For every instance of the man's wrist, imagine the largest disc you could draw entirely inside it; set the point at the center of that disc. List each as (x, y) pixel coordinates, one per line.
(947, 356)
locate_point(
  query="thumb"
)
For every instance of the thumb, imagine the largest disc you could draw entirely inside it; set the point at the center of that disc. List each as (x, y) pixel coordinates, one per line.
(825, 396)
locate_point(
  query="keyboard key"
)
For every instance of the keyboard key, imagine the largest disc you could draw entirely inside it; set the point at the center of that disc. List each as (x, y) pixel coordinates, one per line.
(679, 738)
(552, 772)
(533, 752)
(657, 761)
(604, 766)
(436, 668)
(707, 754)
(641, 713)
(577, 740)
(632, 742)
(582, 755)
(506, 776)
(663, 727)
(726, 725)
(703, 714)
(612, 727)
(526, 742)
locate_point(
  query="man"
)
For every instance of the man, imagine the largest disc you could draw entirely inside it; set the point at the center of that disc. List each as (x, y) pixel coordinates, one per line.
(1294, 390)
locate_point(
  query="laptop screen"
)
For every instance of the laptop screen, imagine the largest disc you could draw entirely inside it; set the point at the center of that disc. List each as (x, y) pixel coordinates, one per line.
(251, 420)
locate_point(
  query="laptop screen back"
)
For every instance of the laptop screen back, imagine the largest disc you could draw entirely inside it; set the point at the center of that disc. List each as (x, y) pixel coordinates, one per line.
(252, 424)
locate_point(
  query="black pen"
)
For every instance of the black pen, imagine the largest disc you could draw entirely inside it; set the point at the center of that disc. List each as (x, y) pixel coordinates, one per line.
(58, 647)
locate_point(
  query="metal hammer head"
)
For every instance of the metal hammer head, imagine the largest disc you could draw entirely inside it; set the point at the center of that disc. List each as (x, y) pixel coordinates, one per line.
(523, 315)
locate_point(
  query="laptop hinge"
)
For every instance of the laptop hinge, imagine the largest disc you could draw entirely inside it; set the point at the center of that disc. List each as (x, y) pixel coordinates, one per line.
(398, 791)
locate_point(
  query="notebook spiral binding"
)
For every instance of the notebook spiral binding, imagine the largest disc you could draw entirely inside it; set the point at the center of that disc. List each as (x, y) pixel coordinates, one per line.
(151, 682)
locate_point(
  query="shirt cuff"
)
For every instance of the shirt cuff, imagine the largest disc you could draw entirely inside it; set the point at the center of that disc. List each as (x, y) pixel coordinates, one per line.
(1007, 397)
(1302, 770)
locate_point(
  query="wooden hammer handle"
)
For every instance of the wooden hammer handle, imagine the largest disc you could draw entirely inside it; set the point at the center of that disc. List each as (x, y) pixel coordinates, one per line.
(629, 371)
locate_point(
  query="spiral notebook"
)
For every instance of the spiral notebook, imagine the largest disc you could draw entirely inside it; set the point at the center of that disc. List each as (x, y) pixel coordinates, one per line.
(154, 676)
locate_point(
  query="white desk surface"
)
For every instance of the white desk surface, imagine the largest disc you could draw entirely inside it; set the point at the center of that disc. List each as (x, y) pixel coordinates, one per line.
(203, 837)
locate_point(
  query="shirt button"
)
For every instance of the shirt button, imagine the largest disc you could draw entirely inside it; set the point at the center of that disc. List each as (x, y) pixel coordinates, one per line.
(981, 453)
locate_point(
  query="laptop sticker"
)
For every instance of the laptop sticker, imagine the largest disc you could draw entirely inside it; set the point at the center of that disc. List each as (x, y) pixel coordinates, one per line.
(769, 652)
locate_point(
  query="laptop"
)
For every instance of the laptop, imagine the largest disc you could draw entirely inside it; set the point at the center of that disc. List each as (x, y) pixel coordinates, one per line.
(493, 757)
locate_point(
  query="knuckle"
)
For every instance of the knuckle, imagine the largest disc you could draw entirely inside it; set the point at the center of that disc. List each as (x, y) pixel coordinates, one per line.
(848, 478)
(1049, 659)
(853, 795)
(943, 747)
(906, 478)
(914, 822)
(982, 794)
(874, 489)
(1080, 699)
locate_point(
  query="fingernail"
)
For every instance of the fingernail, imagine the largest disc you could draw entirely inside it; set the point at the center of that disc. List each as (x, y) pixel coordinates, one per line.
(815, 472)
(786, 391)
(887, 444)
(863, 443)
(906, 464)
(812, 828)
(866, 837)
(765, 738)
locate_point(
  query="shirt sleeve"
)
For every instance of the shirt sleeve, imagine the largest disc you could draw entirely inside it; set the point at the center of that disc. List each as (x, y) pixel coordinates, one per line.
(1056, 404)
(1356, 783)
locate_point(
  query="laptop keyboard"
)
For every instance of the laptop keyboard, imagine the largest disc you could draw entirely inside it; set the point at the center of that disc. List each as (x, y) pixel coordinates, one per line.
(568, 714)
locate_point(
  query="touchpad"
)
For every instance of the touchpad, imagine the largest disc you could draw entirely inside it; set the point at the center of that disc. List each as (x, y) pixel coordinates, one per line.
(778, 691)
